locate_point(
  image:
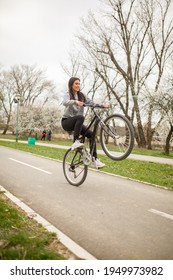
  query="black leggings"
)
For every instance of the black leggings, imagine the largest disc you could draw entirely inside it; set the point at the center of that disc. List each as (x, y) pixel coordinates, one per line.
(76, 124)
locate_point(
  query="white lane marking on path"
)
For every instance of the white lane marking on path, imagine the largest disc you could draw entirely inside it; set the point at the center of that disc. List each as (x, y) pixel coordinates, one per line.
(21, 162)
(163, 214)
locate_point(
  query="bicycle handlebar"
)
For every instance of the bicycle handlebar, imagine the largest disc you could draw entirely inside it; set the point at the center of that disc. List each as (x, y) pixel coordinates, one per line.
(94, 106)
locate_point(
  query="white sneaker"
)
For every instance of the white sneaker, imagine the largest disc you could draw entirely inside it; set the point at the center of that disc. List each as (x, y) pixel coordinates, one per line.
(97, 163)
(77, 144)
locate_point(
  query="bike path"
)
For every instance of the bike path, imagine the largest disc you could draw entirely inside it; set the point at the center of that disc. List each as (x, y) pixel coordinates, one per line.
(109, 216)
(131, 156)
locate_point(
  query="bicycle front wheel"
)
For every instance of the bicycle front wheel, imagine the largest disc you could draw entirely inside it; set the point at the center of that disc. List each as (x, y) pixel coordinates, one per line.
(117, 137)
(74, 169)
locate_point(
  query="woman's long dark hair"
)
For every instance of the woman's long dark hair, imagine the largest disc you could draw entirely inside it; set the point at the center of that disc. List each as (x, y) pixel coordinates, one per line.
(81, 96)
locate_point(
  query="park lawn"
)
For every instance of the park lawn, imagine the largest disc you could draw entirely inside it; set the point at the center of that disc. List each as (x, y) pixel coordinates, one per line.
(68, 142)
(149, 172)
(133, 169)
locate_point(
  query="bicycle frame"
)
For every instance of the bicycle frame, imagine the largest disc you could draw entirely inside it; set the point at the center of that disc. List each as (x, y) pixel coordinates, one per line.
(96, 120)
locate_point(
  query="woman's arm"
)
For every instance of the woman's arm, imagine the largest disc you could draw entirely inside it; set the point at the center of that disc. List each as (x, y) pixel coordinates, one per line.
(67, 101)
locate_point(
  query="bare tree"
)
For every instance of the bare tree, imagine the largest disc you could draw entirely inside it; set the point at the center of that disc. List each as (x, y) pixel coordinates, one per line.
(29, 83)
(126, 53)
(6, 98)
(163, 103)
(161, 38)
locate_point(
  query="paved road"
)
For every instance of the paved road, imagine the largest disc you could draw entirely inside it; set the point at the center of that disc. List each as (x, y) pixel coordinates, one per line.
(132, 156)
(110, 217)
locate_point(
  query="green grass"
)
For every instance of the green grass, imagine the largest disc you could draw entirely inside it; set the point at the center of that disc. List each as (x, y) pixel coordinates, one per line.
(136, 150)
(154, 153)
(67, 142)
(134, 169)
(150, 172)
(22, 238)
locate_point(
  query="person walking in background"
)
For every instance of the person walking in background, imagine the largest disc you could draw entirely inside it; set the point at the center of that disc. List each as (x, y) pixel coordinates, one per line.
(49, 135)
(73, 117)
(43, 135)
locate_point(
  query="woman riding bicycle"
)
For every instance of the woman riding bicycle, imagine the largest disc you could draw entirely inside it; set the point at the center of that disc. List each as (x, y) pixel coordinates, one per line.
(73, 117)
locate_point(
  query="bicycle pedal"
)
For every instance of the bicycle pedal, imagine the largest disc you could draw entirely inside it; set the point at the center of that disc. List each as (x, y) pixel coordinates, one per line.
(71, 169)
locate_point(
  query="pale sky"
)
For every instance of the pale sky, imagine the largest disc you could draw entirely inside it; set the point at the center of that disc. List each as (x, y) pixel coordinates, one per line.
(40, 32)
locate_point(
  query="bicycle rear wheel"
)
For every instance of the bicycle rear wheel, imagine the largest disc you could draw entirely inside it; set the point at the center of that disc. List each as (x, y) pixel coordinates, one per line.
(74, 169)
(117, 137)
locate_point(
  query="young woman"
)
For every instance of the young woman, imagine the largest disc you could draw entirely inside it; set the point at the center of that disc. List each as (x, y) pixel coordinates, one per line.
(73, 117)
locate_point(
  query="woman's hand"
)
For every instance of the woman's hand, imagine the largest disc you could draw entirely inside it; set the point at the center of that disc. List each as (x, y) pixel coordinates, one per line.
(79, 103)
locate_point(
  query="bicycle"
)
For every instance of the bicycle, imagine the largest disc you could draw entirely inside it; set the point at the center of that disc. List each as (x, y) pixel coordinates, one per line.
(116, 138)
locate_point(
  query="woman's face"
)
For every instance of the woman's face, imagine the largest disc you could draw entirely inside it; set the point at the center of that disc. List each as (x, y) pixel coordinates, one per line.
(76, 86)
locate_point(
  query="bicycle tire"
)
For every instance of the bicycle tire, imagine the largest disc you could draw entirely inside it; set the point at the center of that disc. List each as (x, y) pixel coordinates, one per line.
(74, 169)
(117, 137)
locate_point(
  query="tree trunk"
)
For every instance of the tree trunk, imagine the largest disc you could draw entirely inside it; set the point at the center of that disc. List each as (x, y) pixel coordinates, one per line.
(5, 129)
(141, 136)
(7, 124)
(168, 138)
(149, 130)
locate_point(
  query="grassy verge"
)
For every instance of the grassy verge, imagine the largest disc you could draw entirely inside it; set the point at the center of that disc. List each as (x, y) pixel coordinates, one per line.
(150, 172)
(22, 238)
(67, 142)
(154, 173)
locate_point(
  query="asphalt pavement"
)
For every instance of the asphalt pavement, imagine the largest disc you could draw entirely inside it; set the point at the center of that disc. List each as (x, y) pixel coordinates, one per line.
(110, 217)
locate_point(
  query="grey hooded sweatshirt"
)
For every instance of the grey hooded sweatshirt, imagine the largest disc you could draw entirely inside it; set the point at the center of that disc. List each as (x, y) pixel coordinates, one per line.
(71, 109)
